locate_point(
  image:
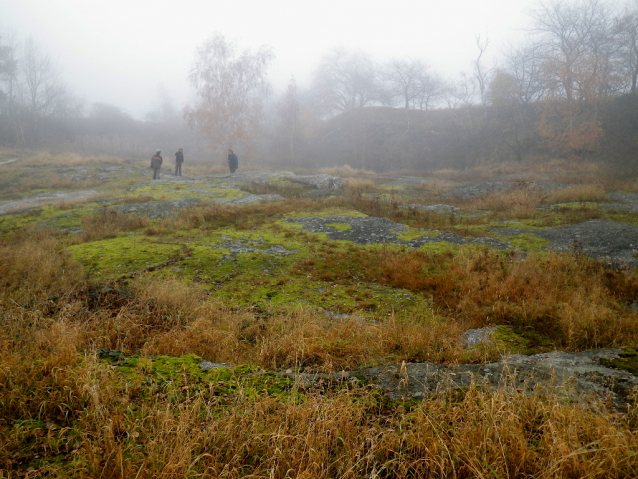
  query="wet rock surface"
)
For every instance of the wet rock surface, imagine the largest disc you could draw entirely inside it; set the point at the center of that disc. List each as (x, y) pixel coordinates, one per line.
(370, 229)
(472, 190)
(627, 202)
(600, 239)
(155, 209)
(52, 198)
(207, 365)
(439, 208)
(247, 199)
(579, 377)
(474, 337)
(241, 246)
(606, 240)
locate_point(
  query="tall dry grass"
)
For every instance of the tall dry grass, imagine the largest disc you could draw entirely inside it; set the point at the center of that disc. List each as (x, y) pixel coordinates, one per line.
(534, 169)
(109, 224)
(106, 427)
(32, 265)
(522, 202)
(346, 171)
(60, 405)
(573, 299)
(49, 159)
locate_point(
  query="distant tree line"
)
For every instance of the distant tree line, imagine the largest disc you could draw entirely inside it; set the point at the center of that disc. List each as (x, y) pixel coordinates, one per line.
(38, 110)
(569, 90)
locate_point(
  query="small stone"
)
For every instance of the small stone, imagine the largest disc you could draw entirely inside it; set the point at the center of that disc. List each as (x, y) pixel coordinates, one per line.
(207, 365)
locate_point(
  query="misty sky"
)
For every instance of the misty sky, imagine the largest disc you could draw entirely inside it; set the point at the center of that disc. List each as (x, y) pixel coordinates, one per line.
(120, 51)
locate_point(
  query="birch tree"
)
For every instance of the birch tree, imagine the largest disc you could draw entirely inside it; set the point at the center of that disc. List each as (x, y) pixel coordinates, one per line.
(229, 84)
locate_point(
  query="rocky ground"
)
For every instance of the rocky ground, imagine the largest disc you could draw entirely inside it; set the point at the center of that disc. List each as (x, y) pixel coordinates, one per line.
(573, 376)
(607, 240)
(582, 377)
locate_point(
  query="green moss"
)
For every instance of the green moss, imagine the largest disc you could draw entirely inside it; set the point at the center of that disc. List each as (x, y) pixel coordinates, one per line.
(440, 247)
(512, 340)
(526, 241)
(179, 376)
(327, 213)
(124, 255)
(176, 191)
(340, 226)
(415, 233)
(627, 360)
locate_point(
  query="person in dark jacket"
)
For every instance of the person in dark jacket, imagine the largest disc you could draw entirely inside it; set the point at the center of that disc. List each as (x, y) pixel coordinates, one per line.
(233, 161)
(156, 164)
(179, 159)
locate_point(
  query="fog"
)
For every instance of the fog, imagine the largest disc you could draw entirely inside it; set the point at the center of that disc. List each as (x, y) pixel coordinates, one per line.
(407, 86)
(120, 52)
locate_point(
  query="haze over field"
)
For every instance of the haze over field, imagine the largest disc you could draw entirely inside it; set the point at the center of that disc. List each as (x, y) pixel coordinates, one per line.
(119, 52)
(411, 86)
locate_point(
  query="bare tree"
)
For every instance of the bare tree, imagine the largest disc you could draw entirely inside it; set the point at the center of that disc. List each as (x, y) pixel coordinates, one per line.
(525, 64)
(345, 81)
(577, 50)
(40, 79)
(481, 73)
(229, 87)
(8, 69)
(288, 109)
(9, 89)
(576, 46)
(626, 31)
(403, 79)
(165, 111)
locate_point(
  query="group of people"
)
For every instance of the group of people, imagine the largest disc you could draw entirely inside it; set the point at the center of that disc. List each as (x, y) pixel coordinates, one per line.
(157, 160)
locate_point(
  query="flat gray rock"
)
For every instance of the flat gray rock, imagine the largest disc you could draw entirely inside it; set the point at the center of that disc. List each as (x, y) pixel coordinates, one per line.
(56, 197)
(207, 365)
(372, 230)
(626, 202)
(474, 337)
(155, 209)
(601, 239)
(247, 199)
(580, 377)
(471, 190)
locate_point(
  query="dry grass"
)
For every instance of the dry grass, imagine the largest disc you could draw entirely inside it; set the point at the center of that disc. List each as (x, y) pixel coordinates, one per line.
(357, 183)
(47, 159)
(105, 429)
(518, 203)
(522, 201)
(571, 299)
(60, 403)
(32, 266)
(108, 225)
(346, 171)
(578, 193)
(305, 339)
(531, 170)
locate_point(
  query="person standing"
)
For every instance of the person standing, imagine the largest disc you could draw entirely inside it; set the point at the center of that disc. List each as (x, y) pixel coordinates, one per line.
(233, 161)
(156, 164)
(179, 159)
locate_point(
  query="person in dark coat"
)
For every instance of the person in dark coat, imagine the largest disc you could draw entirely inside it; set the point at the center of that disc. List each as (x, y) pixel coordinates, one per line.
(156, 164)
(179, 159)
(233, 161)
